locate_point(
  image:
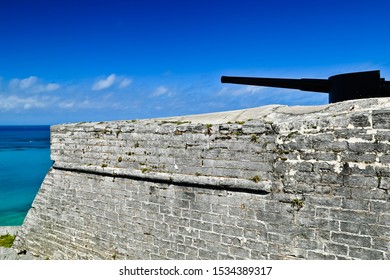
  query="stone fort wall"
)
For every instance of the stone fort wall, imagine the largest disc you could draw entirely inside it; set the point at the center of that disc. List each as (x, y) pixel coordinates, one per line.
(274, 182)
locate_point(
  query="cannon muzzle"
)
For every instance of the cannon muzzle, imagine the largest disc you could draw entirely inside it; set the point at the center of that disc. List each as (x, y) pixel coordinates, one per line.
(340, 87)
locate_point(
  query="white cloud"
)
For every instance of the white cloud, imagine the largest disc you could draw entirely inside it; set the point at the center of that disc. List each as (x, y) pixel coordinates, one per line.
(44, 88)
(14, 84)
(16, 102)
(31, 84)
(52, 86)
(162, 90)
(66, 104)
(28, 82)
(104, 83)
(125, 83)
(242, 90)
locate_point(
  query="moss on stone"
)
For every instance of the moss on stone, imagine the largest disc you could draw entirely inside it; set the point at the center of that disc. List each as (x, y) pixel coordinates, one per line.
(256, 179)
(7, 240)
(297, 203)
(254, 138)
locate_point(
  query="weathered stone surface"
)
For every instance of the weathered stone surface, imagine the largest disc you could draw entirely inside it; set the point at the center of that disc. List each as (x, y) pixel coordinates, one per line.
(11, 230)
(8, 254)
(381, 119)
(274, 182)
(11, 254)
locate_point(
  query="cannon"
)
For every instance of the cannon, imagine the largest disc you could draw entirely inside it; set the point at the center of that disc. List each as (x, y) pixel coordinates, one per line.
(340, 87)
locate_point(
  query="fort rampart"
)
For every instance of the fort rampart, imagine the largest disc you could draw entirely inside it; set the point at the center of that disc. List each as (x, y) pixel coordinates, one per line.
(274, 182)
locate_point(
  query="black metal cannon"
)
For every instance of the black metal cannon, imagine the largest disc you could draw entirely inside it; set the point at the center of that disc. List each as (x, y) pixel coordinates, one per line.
(340, 87)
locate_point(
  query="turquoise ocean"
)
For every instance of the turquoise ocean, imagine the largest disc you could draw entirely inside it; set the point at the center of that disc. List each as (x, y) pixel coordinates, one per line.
(24, 162)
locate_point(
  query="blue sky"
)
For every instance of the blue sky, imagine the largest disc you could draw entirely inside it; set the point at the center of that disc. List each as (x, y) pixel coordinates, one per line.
(69, 61)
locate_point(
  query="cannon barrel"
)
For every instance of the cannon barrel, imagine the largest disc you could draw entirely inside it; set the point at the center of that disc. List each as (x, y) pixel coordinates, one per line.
(317, 85)
(340, 87)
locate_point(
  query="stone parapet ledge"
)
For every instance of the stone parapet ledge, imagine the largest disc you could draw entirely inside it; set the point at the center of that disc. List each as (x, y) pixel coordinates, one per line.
(239, 149)
(250, 185)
